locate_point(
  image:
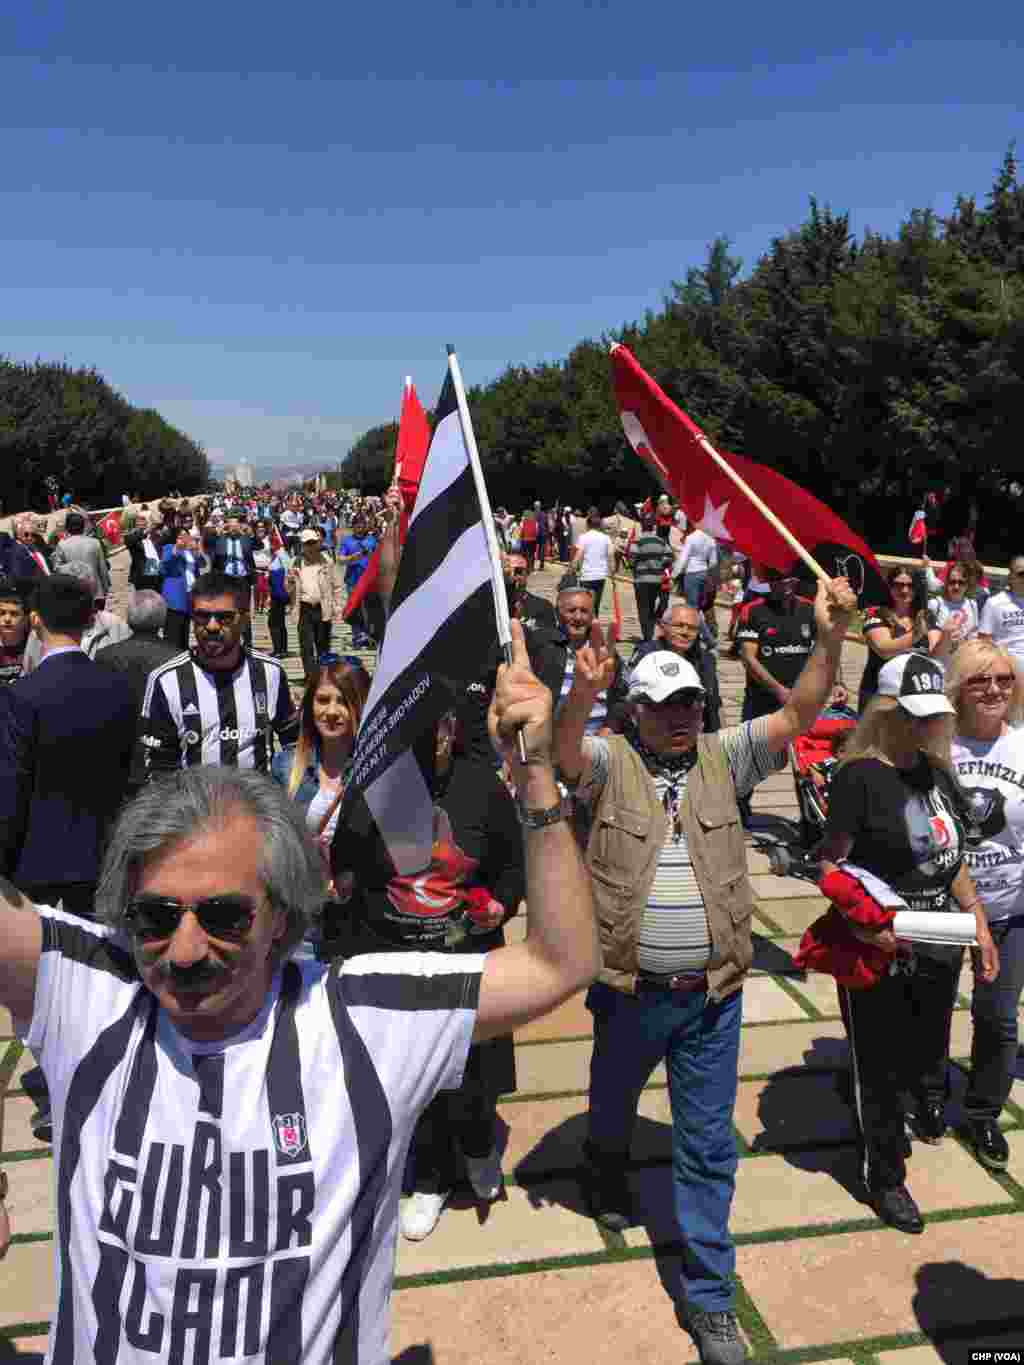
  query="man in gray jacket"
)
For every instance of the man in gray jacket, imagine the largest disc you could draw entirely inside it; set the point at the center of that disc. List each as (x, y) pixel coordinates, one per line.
(78, 548)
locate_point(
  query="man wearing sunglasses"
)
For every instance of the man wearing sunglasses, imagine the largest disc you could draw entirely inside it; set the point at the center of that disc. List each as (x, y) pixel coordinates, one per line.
(666, 851)
(1002, 618)
(221, 703)
(232, 1123)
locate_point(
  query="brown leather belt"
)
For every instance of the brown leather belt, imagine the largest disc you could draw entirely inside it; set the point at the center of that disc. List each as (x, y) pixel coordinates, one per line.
(648, 981)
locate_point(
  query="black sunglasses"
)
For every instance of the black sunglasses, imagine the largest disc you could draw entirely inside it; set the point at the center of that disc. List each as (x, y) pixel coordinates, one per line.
(158, 917)
(225, 618)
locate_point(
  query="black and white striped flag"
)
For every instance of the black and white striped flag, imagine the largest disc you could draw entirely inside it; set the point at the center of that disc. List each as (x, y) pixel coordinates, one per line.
(440, 633)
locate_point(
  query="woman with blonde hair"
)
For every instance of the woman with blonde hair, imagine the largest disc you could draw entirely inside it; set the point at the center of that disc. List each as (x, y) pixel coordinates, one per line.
(314, 771)
(988, 756)
(895, 809)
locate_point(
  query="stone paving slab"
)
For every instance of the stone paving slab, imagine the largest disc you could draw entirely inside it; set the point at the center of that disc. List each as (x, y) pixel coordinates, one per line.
(547, 1135)
(26, 1284)
(791, 916)
(601, 1314)
(860, 1285)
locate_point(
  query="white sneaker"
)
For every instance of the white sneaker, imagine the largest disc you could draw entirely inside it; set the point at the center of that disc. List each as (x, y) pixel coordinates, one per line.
(485, 1175)
(419, 1213)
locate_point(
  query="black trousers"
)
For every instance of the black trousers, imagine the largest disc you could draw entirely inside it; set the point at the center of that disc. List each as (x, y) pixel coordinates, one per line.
(899, 1042)
(647, 595)
(314, 635)
(277, 626)
(176, 628)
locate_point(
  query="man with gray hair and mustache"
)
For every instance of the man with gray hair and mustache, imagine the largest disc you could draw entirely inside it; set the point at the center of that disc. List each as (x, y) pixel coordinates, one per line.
(232, 1123)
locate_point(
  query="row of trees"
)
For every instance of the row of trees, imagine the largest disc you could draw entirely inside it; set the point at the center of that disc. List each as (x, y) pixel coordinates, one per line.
(866, 370)
(70, 425)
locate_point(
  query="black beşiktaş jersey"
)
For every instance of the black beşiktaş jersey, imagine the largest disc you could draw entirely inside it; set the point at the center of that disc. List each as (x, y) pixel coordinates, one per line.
(192, 715)
(236, 1201)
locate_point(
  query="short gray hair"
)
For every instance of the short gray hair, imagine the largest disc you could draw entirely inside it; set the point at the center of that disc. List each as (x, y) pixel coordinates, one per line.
(175, 807)
(76, 569)
(147, 612)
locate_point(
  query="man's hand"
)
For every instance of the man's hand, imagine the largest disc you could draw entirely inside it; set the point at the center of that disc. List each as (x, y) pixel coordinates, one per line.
(985, 958)
(595, 663)
(834, 607)
(520, 701)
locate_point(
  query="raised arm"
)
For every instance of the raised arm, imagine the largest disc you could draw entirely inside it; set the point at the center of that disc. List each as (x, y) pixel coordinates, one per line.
(561, 954)
(833, 608)
(594, 672)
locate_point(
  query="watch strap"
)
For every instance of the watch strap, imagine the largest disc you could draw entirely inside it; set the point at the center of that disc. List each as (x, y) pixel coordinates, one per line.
(540, 819)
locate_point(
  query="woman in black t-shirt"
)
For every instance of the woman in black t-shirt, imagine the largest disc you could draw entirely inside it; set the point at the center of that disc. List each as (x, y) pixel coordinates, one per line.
(895, 809)
(889, 631)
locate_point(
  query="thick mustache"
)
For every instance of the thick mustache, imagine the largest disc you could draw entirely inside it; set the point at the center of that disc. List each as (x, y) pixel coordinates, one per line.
(197, 975)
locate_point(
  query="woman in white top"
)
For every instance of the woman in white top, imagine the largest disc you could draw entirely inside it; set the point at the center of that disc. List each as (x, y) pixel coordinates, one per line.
(956, 615)
(988, 755)
(594, 558)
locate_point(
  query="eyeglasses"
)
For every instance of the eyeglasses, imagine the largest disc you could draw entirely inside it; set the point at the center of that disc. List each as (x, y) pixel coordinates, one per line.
(351, 660)
(981, 682)
(902, 583)
(224, 618)
(686, 696)
(158, 917)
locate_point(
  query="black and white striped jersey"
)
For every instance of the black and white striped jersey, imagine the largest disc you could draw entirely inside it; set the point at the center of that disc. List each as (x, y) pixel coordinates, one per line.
(192, 715)
(236, 1201)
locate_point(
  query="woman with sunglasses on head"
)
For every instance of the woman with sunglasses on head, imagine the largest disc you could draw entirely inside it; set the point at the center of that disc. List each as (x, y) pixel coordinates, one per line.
(988, 755)
(896, 810)
(889, 631)
(955, 614)
(315, 769)
(457, 903)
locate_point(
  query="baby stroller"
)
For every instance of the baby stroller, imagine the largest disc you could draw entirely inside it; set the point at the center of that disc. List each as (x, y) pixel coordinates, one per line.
(813, 757)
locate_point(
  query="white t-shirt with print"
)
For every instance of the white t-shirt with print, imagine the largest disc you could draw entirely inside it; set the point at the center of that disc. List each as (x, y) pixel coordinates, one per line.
(239, 1200)
(992, 776)
(1003, 618)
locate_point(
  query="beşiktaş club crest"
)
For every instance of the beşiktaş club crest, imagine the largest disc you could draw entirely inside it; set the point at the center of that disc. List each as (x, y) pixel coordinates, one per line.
(670, 670)
(805, 630)
(289, 1133)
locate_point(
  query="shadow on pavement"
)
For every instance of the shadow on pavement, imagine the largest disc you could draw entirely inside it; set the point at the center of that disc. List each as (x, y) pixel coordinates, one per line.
(961, 1310)
(10, 1355)
(412, 1355)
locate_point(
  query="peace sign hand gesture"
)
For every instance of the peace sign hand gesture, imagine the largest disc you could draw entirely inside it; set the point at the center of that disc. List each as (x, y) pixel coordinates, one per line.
(595, 663)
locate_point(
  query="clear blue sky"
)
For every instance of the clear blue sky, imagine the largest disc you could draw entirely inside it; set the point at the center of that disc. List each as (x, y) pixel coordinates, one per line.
(258, 219)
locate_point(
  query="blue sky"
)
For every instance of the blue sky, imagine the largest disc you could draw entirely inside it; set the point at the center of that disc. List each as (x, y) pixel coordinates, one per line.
(259, 219)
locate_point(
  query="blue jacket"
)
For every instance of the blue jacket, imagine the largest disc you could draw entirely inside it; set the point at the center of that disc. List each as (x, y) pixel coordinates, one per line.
(279, 566)
(281, 771)
(174, 587)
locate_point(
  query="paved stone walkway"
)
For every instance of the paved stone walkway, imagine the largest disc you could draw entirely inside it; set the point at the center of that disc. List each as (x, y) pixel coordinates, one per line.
(533, 1279)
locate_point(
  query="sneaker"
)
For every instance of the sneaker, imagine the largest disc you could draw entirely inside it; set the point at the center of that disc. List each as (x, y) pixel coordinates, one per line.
(485, 1175)
(41, 1124)
(928, 1122)
(606, 1192)
(419, 1213)
(717, 1336)
(897, 1208)
(990, 1147)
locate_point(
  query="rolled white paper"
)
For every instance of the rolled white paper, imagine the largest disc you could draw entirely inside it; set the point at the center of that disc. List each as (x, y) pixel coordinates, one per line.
(936, 926)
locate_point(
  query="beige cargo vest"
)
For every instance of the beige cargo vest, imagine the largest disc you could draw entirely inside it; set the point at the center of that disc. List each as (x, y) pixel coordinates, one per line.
(628, 830)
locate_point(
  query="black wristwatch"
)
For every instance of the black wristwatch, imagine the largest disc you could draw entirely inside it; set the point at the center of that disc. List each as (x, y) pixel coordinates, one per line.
(539, 819)
(3, 1185)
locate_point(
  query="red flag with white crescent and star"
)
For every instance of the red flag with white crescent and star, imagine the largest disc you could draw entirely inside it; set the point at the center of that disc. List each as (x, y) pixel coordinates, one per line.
(670, 444)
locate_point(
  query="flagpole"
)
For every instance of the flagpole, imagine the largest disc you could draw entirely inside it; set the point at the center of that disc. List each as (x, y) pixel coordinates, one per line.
(502, 618)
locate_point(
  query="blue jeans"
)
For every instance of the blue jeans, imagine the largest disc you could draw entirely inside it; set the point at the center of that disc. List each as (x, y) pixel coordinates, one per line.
(994, 1014)
(693, 588)
(700, 1043)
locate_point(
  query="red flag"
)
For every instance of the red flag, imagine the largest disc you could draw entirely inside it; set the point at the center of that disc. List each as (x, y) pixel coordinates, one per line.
(670, 444)
(615, 629)
(918, 531)
(276, 543)
(111, 527)
(410, 455)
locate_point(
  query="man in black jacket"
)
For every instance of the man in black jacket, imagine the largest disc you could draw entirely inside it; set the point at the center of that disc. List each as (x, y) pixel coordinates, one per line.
(536, 613)
(553, 657)
(136, 658)
(679, 631)
(65, 754)
(145, 546)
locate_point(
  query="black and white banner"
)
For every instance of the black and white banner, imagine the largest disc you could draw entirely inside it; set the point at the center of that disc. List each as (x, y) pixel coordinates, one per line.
(440, 632)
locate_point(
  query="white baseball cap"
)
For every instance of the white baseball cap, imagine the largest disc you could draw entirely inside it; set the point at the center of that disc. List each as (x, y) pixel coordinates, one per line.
(659, 675)
(308, 535)
(917, 683)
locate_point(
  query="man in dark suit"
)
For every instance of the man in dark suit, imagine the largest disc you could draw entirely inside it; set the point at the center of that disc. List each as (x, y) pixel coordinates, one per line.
(136, 658)
(233, 557)
(65, 754)
(22, 558)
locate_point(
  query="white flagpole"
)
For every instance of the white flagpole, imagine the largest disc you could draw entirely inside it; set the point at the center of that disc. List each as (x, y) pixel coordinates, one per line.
(493, 551)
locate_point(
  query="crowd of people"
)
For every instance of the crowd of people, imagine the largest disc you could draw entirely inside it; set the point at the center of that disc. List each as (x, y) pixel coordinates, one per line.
(235, 1000)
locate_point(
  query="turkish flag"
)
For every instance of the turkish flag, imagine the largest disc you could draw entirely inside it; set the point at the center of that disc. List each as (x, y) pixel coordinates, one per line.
(670, 444)
(111, 527)
(410, 455)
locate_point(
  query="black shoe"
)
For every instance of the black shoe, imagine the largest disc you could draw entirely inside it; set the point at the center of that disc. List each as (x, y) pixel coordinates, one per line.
(990, 1147)
(41, 1124)
(928, 1122)
(897, 1208)
(717, 1336)
(606, 1191)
